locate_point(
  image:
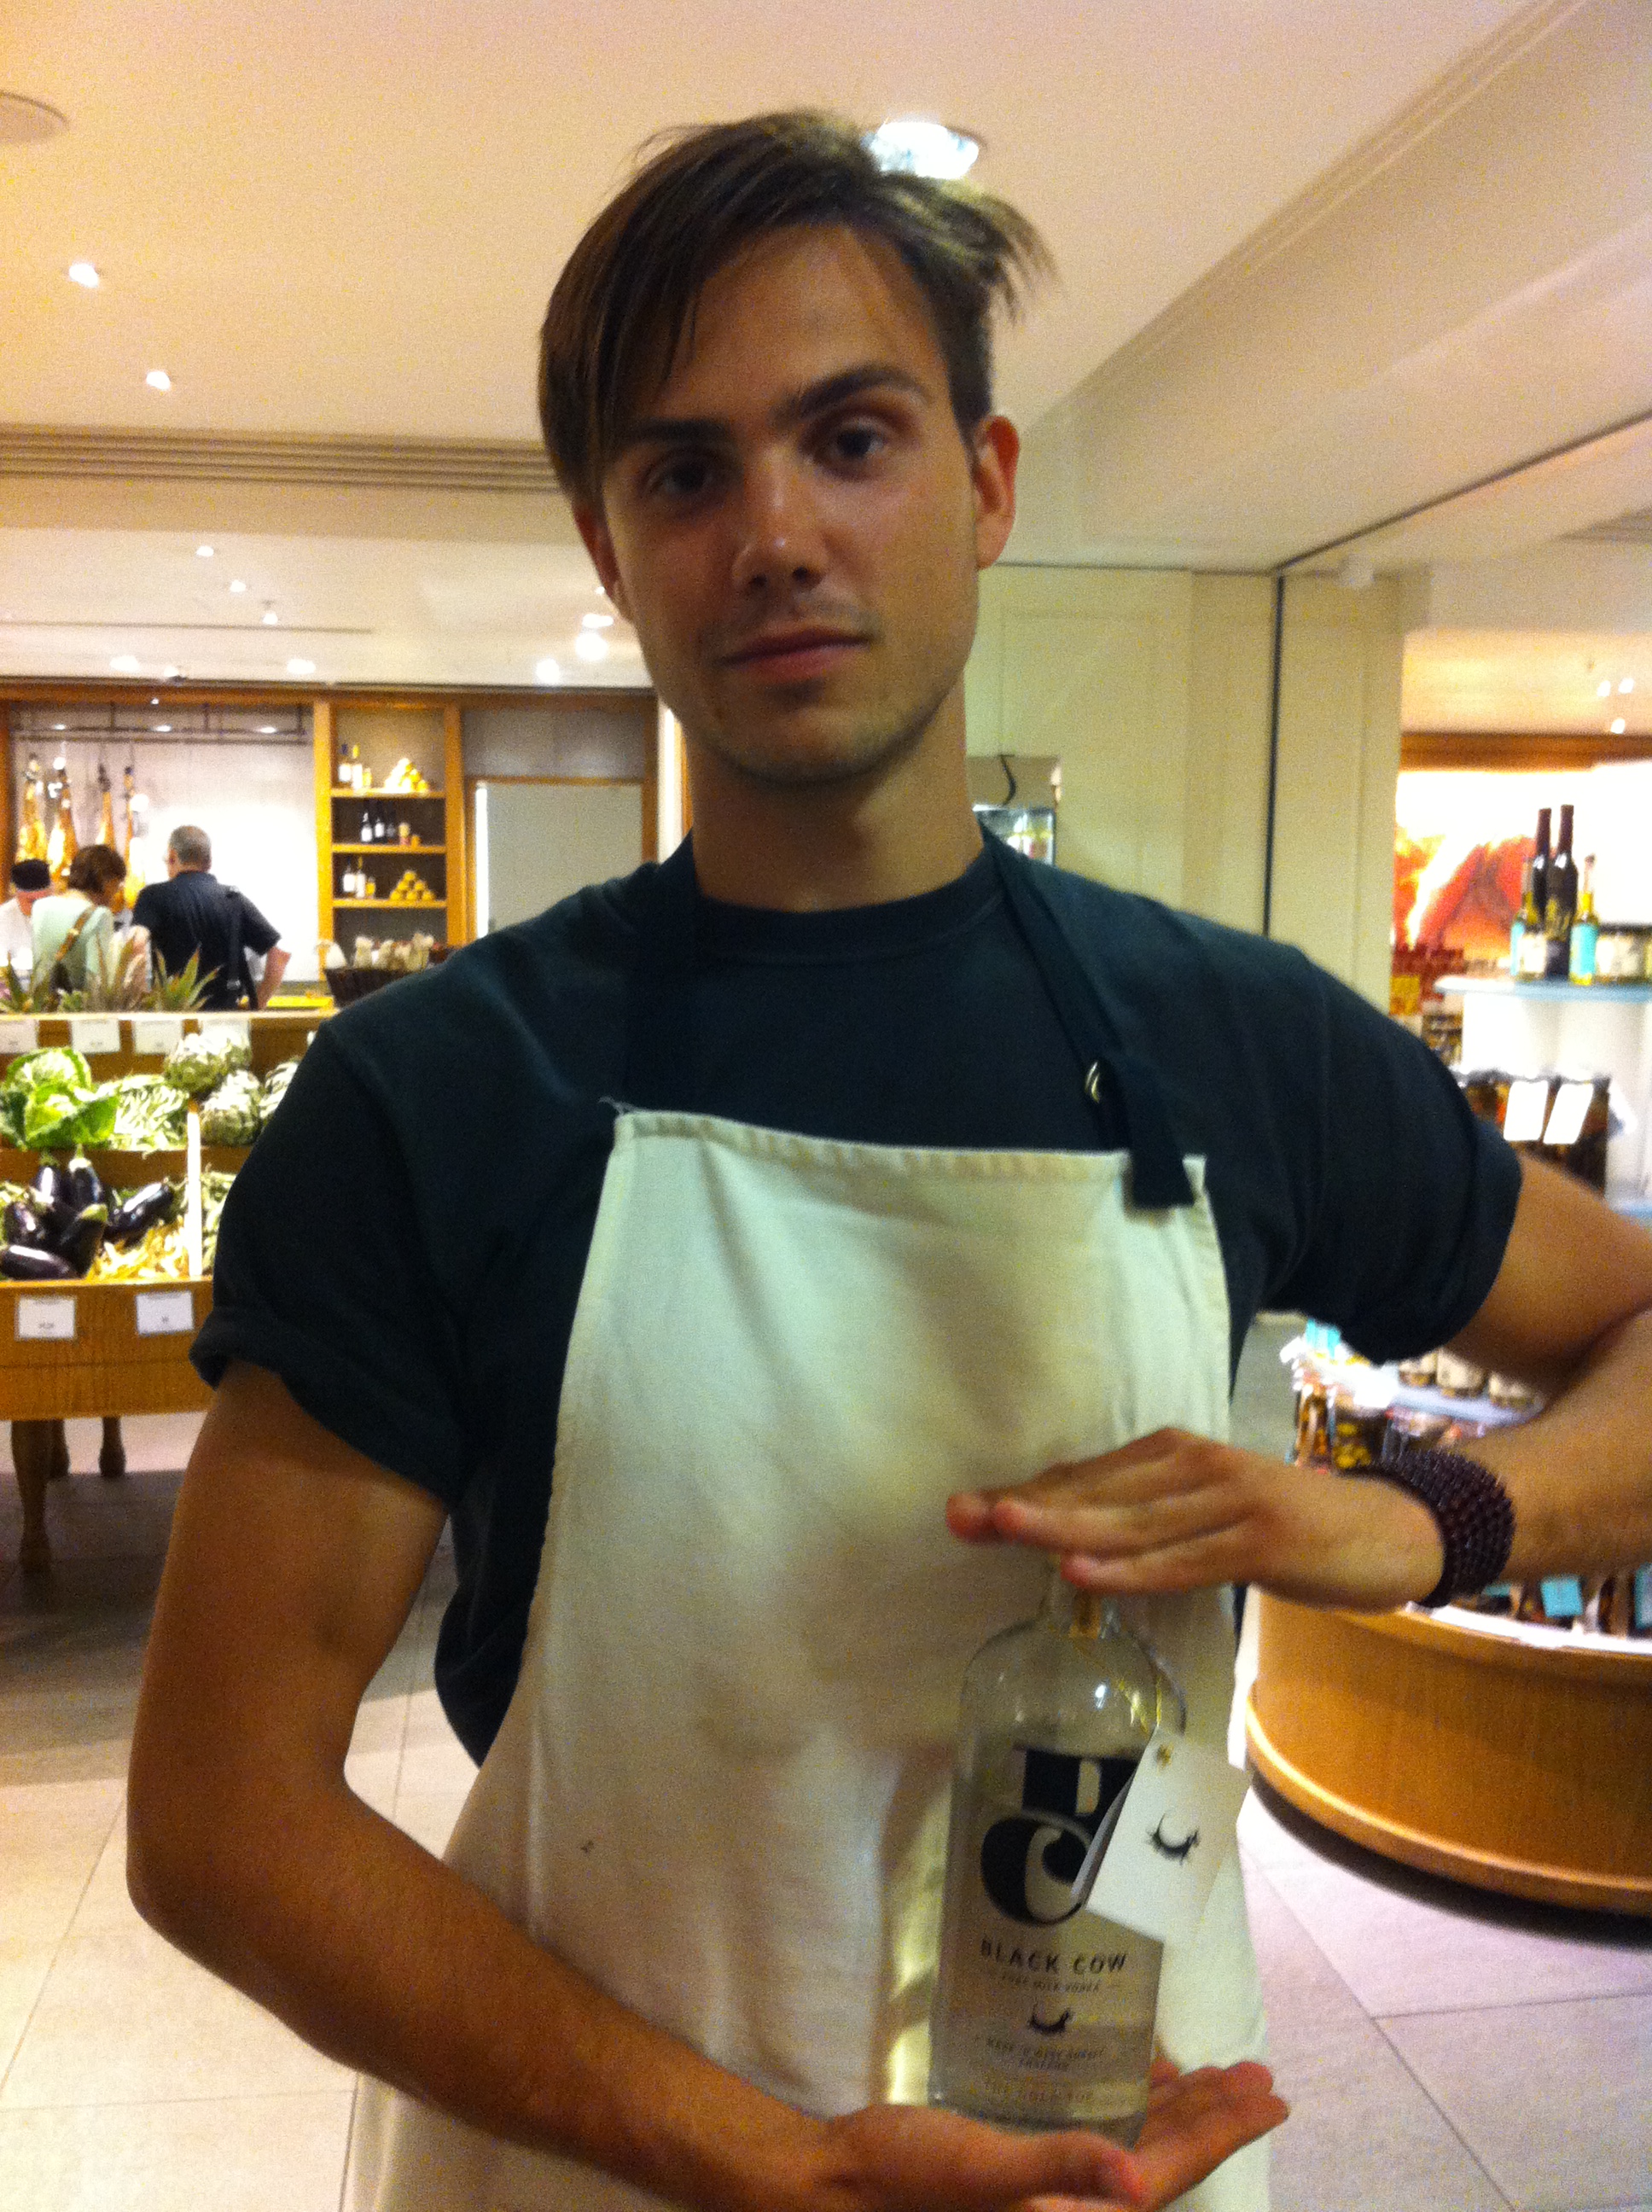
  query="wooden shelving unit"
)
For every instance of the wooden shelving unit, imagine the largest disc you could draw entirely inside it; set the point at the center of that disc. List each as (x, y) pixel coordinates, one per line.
(430, 736)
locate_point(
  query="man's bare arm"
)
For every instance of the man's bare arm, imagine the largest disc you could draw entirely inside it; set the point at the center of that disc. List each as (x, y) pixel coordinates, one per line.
(293, 1564)
(275, 967)
(1571, 1311)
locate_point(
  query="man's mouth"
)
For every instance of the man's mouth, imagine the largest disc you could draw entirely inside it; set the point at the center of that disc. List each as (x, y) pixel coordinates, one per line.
(795, 654)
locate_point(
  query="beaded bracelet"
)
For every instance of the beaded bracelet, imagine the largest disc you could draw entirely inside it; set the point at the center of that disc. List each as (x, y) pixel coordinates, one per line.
(1471, 1509)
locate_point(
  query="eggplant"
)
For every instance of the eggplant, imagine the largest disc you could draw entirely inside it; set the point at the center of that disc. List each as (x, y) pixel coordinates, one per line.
(52, 1183)
(57, 1217)
(84, 1185)
(23, 1224)
(79, 1246)
(138, 1212)
(26, 1263)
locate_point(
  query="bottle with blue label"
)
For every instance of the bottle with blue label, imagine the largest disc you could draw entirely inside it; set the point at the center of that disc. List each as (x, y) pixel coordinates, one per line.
(1585, 928)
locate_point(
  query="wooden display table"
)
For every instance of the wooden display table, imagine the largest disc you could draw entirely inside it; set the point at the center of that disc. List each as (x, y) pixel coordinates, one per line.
(108, 1367)
(1513, 1758)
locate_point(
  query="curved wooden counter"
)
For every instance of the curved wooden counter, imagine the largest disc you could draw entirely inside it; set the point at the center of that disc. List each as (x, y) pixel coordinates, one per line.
(1516, 1758)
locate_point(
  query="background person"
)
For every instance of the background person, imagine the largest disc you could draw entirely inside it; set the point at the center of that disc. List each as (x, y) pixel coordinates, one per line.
(193, 913)
(73, 931)
(30, 881)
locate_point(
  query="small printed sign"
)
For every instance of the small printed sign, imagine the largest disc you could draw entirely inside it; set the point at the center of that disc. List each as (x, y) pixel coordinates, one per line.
(19, 1034)
(224, 1028)
(1176, 1825)
(153, 1033)
(41, 1317)
(1526, 1111)
(1563, 1596)
(94, 1033)
(165, 1313)
(1566, 1116)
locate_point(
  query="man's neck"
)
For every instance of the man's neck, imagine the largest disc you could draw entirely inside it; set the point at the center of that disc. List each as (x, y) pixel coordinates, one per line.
(902, 829)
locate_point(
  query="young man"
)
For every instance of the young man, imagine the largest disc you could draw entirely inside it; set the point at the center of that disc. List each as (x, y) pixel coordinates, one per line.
(715, 1187)
(193, 914)
(30, 881)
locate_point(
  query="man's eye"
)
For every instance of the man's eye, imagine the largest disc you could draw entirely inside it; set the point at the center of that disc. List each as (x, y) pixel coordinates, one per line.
(854, 442)
(684, 476)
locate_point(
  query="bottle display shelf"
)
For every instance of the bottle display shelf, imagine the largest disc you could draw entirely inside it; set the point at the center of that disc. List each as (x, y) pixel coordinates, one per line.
(393, 845)
(370, 797)
(396, 906)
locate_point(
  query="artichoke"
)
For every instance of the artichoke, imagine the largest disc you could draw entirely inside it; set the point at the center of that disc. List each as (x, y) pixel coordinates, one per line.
(198, 1065)
(231, 1115)
(275, 1090)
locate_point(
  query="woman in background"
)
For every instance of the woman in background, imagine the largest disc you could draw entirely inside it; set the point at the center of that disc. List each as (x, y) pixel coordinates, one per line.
(74, 930)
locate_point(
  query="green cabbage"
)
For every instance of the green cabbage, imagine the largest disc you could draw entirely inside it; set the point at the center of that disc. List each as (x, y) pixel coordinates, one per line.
(68, 1118)
(55, 1064)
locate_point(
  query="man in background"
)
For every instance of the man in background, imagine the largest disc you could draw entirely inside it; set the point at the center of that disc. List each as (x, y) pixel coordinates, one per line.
(30, 880)
(193, 913)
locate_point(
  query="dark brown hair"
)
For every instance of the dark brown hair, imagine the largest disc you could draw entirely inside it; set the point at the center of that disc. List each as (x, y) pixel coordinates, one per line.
(627, 297)
(94, 869)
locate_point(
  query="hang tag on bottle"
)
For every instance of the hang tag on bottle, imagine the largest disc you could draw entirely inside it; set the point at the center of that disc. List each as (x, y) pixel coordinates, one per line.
(1567, 1115)
(1527, 1111)
(1175, 1828)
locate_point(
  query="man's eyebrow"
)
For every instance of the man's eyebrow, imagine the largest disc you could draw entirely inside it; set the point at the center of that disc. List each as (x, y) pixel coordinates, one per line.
(799, 407)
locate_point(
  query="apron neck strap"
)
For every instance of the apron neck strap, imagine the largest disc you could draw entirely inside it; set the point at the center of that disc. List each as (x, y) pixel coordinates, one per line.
(1118, 1083)
(1123, 1088)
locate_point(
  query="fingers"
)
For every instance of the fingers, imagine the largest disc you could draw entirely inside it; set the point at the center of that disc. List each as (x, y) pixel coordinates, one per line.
(1198, 2120)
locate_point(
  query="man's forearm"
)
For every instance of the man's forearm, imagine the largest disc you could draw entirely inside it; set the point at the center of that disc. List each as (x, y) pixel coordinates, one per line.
(390, 1962)
(275, 967)
(1580, 1475)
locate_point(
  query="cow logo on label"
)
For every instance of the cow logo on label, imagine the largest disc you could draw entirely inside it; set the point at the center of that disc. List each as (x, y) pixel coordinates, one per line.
(1039, 1863)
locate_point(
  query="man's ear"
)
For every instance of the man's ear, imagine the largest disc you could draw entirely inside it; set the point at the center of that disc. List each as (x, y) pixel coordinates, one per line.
(594, 528)
(996, 450)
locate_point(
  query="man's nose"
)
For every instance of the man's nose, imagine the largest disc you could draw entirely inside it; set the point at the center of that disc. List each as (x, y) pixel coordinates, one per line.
(780, 540)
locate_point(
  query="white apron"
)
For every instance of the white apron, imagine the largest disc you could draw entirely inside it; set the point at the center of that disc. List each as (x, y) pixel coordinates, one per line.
(720, 1788)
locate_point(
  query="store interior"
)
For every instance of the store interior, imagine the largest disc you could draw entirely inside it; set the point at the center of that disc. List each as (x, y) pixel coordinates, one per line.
(1333, 567)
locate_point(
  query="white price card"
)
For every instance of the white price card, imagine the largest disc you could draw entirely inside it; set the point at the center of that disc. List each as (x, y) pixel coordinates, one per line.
(19, 1034)
(227, 1029)
(1526, 1111)
(94, 1033)
(39, 1317)
(1173, 1826)
(156, 1032)
(165, 1313)
(1571, 1104)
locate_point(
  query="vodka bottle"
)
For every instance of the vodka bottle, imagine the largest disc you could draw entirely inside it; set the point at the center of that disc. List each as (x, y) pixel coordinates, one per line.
(1044, 2012)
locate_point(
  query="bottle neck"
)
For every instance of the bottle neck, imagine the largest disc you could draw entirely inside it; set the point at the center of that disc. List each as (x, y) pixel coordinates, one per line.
(1083, 1615)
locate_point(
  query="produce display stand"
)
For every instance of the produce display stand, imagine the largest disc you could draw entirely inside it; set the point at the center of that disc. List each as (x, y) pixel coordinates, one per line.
(1513, 1758)
(124, 1345)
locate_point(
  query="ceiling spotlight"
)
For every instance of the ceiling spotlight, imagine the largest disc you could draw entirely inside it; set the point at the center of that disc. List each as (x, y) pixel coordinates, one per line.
(1628, 684)
(84, 274)
(236, 584)
(270, 618)
(266, 729)
(205, 552)
(1618, 726)
(548, 671)
(591, 645)
(164, 729)
(171, 673)
(596, 622)
(125, 664)
(1603, 691)
(913, 146)
(301, 668)
(60, 726)
(158, 380)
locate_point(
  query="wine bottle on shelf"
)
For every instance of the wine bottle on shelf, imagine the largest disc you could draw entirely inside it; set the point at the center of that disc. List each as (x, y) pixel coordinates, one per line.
(1527, 917)
(1586, 927)
(367, 828)
(1044, 2012)
(1533, 947)
(1560, 903)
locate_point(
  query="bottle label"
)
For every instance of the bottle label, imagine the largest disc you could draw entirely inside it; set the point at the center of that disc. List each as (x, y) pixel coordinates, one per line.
(1046, 2010)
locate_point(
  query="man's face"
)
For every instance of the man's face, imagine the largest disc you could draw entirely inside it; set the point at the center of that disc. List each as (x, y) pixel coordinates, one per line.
(26, 900)
(795, 524)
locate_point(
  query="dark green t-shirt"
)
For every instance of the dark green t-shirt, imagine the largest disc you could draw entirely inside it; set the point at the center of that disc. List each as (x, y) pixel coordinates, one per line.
(405, 1245)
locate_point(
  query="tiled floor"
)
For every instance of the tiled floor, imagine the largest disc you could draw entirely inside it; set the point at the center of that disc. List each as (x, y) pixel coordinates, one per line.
(1443, 2053)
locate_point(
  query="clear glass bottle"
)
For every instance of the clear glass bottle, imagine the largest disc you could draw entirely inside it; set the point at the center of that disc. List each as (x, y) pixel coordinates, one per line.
(1044, 2012)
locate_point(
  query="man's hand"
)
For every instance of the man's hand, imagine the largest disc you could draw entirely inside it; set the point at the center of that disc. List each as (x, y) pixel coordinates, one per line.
(899, 2158)
(1177, 1512)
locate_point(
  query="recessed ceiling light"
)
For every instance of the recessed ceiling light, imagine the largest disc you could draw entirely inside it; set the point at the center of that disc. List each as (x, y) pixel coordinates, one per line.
(165, 728)
(914, 146)
(1618, 726)
(591, 645)
(270, 618)
(266, 729)
(85, 275)
(1628, 684)
(170, 672)
(301, 668)
(25, 122)
(158, 380)
(60, 726)
(596, 622)
(236, 584)
(205, 552)
(125, 664)
(548, 671)
(1603, 691)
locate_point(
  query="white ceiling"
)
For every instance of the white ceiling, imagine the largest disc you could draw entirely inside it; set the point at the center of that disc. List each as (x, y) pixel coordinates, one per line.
(1323, 262)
